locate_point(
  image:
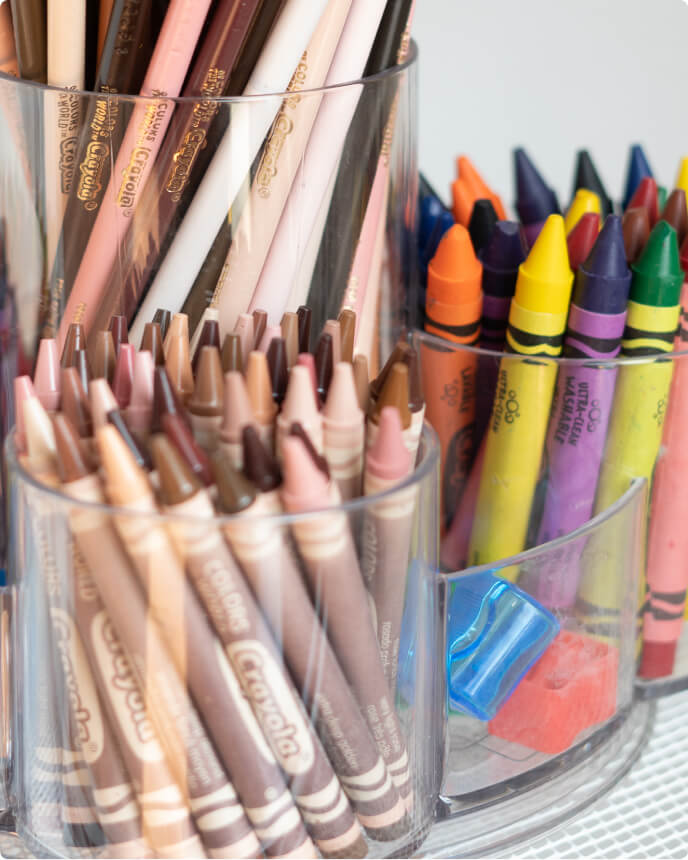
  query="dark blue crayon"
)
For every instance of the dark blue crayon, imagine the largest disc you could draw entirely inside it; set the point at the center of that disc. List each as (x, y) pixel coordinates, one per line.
(587, 177)
(535, 200)
(481, 224)
(638, 168)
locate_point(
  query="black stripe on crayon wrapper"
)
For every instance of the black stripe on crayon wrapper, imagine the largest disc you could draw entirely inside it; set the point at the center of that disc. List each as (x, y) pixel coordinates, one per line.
(663, 615)
(599, 344)
(677, 597)
(457, 330)
(640, 351)
(631, 333)
(528, 339)
(493, 324)
(591, 610)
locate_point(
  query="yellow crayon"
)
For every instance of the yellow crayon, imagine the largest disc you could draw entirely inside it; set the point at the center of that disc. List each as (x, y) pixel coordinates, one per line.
(584, 201)
(682, 176)
(520, 412)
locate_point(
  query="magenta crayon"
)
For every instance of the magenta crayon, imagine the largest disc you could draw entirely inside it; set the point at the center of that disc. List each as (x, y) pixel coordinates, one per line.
(582, 405)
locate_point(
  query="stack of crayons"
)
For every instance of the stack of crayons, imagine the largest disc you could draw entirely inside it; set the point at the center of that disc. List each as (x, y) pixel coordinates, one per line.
(270, 723)
(164, 203)
(531, 450)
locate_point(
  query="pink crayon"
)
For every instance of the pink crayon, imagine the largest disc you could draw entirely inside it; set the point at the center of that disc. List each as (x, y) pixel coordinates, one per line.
(46, 378)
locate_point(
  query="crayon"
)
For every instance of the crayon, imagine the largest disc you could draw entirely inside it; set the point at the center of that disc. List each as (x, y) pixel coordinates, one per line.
(139, 412)
(638, 168)
(180, 435)
(29, 21)
(584, 201)
(636, 230)
(453, 309)
(343, 425)
(586, 176)
(124, 375)
(259, 386)
(582, 405)
(482, 223)
(347, 329)
(333, 572)
(206, 404)
(232, 358)
(360, 366)
(324, 364)
(75, 403)
(645, 196)
(102, 401)
(682, 175)
(661, 196)
(208, 335)
(238, 413)
(470, 187)
(581, 239)
(223, 592)
(290, 332)
(46, 378)
(152, 341)
(163, 318)
(640, 403)
(103, 356)
(268, 562)
(300, 405)
(245, 329)
(277, 362)
(667, 553)
(675, 213)
(518, 424)
(535, 201)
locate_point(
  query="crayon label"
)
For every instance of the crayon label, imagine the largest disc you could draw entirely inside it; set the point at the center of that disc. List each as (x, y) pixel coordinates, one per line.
(263, 683)
(124, 690)
(83, 699)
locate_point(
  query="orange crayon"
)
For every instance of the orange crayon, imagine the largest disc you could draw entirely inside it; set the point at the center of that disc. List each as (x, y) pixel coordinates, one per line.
(453, 308)
(469, 187)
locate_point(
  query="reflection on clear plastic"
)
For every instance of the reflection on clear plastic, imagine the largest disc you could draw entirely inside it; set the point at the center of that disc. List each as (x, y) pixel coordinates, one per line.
(181, 685)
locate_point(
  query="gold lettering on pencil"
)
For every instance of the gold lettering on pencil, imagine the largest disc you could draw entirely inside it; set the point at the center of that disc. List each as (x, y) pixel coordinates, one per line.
(79, 313)
(132, 173)
(126, 32)
(281, 129)
(91, 170)
(194, 140)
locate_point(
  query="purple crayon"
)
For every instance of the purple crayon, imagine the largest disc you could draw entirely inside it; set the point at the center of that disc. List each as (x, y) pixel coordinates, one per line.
(582, 405)
(535, 200)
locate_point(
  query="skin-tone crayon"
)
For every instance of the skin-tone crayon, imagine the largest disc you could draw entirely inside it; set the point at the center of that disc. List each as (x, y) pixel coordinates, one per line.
(535, 200)
(163, 318)
(238, 413)
(305, 359)
(584, 201)
(226, 597)
(469, 187)
(23, 390)
(300, 405)
(46, 378)
(119, 330)
(259, 386)
(165, 400)
(395, 392)
(103, 356)
(518, 424)
(324, 364)
(246, 330)
(638, 168)
(139, 452)
(667, 572)
(124, 375)
(180, 435)
(209, 336)
(645, 196)
(636, 230)
(102, 401)
(260, 321)
(581, 239)
(220, 819)
(640, 405)
(75, 403)
(305, 316)
(334, 575)
(482, 223)
(675, 213)
(269, 333)
(80, 362)
(197, 655)
(178, 366)
(388, 528)
(333, 328)
(178, 327)
(268, 562)
(582, 406)
(206, 404)
(347, 329)
(76, 339)
(586, 176)
(361, 379)
(232, 358)
(453, 310)
(290, 333)
(152, 342)
(277, 362)
(343, 424)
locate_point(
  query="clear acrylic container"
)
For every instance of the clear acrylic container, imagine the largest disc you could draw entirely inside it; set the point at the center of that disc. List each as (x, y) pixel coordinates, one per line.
(587, 428)
(141, 695)
(124, 204)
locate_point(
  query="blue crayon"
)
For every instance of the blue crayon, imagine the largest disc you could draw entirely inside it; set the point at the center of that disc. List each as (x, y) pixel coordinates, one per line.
(638, 169)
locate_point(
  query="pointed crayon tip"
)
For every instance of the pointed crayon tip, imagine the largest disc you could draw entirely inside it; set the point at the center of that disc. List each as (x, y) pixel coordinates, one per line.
(208, 394)
(454, 272)
(684, 255)
(535, 200)
(482, 223)
(645, 196)
(545, 278)
(469, 175)
(638, 168)
(305, 485)
(581, 239)
(395, 392)
(235, 492)
(675, 213)
(260, 467)
(636, 230)
(604, 279)
(586, 176)
(177, 481)
(23, 390)
(388, 457)
(505, 251)
(72, 464)
(682, 175)
(75, 402)
(584, 201)
(657, 273)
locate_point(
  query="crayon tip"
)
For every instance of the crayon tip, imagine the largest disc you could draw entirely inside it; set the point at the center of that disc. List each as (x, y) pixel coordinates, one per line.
(347, 330)
(535, 200)
(604, 279)
(388, 457)
(305, 316)
(583, 201)
(75, 402)
(277, 363)
(469, 175)
(102, 401)
(23, 390)
(47, 374)
(208, 394)
(657, 273)
(545, 278)
(342, 401)
(119, 329)
(74, 339)
(645, 196)
(661, 197)
(124, 374)
(162, 317)
(238, 411)
(124, 478)
(429, 210)
(269, 334)
(178, 364)
(333, 328)
(72, 463)
(141, 455)
(300, 402)
(260, 467)
(482, 223)
(142, 384)
(675, 213)
(454, 272)
(395, 392)
(232, 358)
(581, 239)
(177, 431)
(244, 328)
(305, 359)
(151, 341)
(103, 356)
(683, 253)
(586, 176)
(638, 167)
(305, 485)
(235, 492)
(290, 332)
(504, 253)
(177, 482)
(299, 432)
(636, 229)
(361, 378)
(324, 364)
(682, 175)
(260, 321)
(259, 387)
(38, 431)
(164, 398)
(209, 336)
